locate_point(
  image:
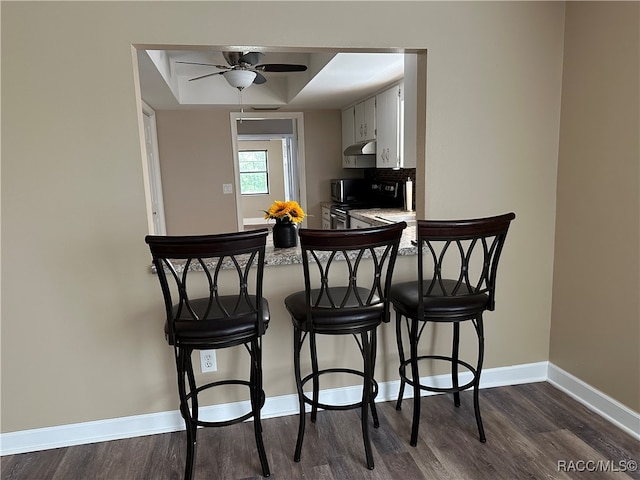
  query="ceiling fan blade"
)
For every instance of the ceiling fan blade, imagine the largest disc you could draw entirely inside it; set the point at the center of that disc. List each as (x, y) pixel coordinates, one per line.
(259, 79)
(280, 67)
(252, 58)
(205, 76)
(205, 64)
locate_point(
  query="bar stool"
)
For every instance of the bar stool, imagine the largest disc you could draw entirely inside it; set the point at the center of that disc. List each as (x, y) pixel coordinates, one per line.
(206, 312)
(346, 297)
(461, 257)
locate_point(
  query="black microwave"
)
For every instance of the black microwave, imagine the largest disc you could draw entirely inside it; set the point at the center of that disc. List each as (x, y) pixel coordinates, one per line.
(347, 190)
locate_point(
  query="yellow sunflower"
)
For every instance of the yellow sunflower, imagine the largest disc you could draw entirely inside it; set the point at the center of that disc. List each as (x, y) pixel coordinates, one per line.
(285, 212)
(295, 213)
(278, 210)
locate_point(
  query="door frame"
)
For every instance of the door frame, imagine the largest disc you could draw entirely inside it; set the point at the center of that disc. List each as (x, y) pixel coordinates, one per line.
(157, 223)
(298, 135)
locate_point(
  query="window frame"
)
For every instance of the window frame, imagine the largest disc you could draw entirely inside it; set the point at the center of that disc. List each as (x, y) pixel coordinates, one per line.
(265, 171)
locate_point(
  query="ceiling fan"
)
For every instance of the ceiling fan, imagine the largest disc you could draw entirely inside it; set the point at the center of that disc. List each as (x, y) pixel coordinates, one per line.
(244, 70)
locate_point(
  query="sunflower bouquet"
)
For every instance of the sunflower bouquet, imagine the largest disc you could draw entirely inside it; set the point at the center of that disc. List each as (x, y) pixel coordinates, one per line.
(285, 212)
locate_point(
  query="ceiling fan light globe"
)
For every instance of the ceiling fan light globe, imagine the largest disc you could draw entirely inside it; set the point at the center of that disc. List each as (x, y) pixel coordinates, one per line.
(239, 79)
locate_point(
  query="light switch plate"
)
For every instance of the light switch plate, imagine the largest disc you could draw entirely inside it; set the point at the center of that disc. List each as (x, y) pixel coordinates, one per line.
(227, 188)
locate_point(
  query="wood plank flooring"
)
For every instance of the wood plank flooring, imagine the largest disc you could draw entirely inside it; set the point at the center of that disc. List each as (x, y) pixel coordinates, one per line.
(531, 429)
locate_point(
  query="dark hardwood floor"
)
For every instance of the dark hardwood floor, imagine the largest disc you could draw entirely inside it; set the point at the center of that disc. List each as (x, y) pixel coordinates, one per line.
(533, 431)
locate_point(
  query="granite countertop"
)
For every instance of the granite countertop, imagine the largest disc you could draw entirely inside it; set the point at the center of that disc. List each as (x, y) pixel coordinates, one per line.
(293, 255)
(289, 256)
(372, 216)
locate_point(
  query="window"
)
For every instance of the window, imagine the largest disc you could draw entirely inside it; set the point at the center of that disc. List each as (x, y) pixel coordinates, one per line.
(254, 178)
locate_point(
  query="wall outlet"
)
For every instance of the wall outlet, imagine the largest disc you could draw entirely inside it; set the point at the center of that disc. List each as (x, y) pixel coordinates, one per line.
(208, 361)
(227, 188)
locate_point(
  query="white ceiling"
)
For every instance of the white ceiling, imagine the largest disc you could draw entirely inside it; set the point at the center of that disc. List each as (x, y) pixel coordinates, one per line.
(333, 80)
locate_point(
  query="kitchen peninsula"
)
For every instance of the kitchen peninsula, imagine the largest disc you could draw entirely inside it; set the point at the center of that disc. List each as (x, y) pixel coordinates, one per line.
(293, 255)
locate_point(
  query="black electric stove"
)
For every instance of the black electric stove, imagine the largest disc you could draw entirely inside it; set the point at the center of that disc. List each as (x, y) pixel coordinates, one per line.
(381, 194)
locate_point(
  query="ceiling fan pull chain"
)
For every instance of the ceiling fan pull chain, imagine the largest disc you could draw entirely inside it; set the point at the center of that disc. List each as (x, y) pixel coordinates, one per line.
(241, 105)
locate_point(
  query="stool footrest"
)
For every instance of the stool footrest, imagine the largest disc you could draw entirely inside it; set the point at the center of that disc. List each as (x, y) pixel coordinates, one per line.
(231, 421)
(430, 388)
(325, 406)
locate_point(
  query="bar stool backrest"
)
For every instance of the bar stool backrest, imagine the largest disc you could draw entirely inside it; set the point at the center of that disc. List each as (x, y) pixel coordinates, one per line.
(196, 272)
(332, 285)
(459, 258)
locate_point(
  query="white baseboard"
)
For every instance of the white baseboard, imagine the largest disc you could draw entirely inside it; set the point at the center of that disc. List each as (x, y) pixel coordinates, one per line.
(602, 404)
(165, 422)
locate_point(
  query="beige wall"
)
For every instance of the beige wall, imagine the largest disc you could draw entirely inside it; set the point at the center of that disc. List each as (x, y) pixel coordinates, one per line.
(196, 158)
(76, 285)
(595, 327)
(323, 159)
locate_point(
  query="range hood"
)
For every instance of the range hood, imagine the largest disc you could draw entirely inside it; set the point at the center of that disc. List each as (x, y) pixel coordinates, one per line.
(362, 148)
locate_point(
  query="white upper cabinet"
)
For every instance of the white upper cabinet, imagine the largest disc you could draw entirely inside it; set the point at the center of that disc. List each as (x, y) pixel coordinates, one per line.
(389, 128)
(395, 126)
(365, 120)
(349, 138)
(348, 135)
(383, 118)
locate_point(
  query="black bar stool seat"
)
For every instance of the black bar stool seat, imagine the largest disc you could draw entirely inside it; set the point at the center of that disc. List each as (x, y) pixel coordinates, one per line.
(352, 315)
(215, 327)
(438, 305)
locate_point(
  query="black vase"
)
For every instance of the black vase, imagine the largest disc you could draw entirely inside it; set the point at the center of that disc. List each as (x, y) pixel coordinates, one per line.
(285, 235)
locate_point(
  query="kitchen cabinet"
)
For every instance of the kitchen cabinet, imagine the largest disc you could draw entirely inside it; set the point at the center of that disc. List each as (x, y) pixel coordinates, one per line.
(389, 128)
(326, 218)
(365, 120)
(349, 138)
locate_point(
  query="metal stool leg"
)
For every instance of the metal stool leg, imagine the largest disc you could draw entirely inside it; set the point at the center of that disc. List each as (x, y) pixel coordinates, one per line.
(454, 362)
(476, 385)
(256, 402)
(401, 354)
(190, 416)
(297, 346)
(372, 400)
(415, 376)
(367, 393)
(316, 379)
